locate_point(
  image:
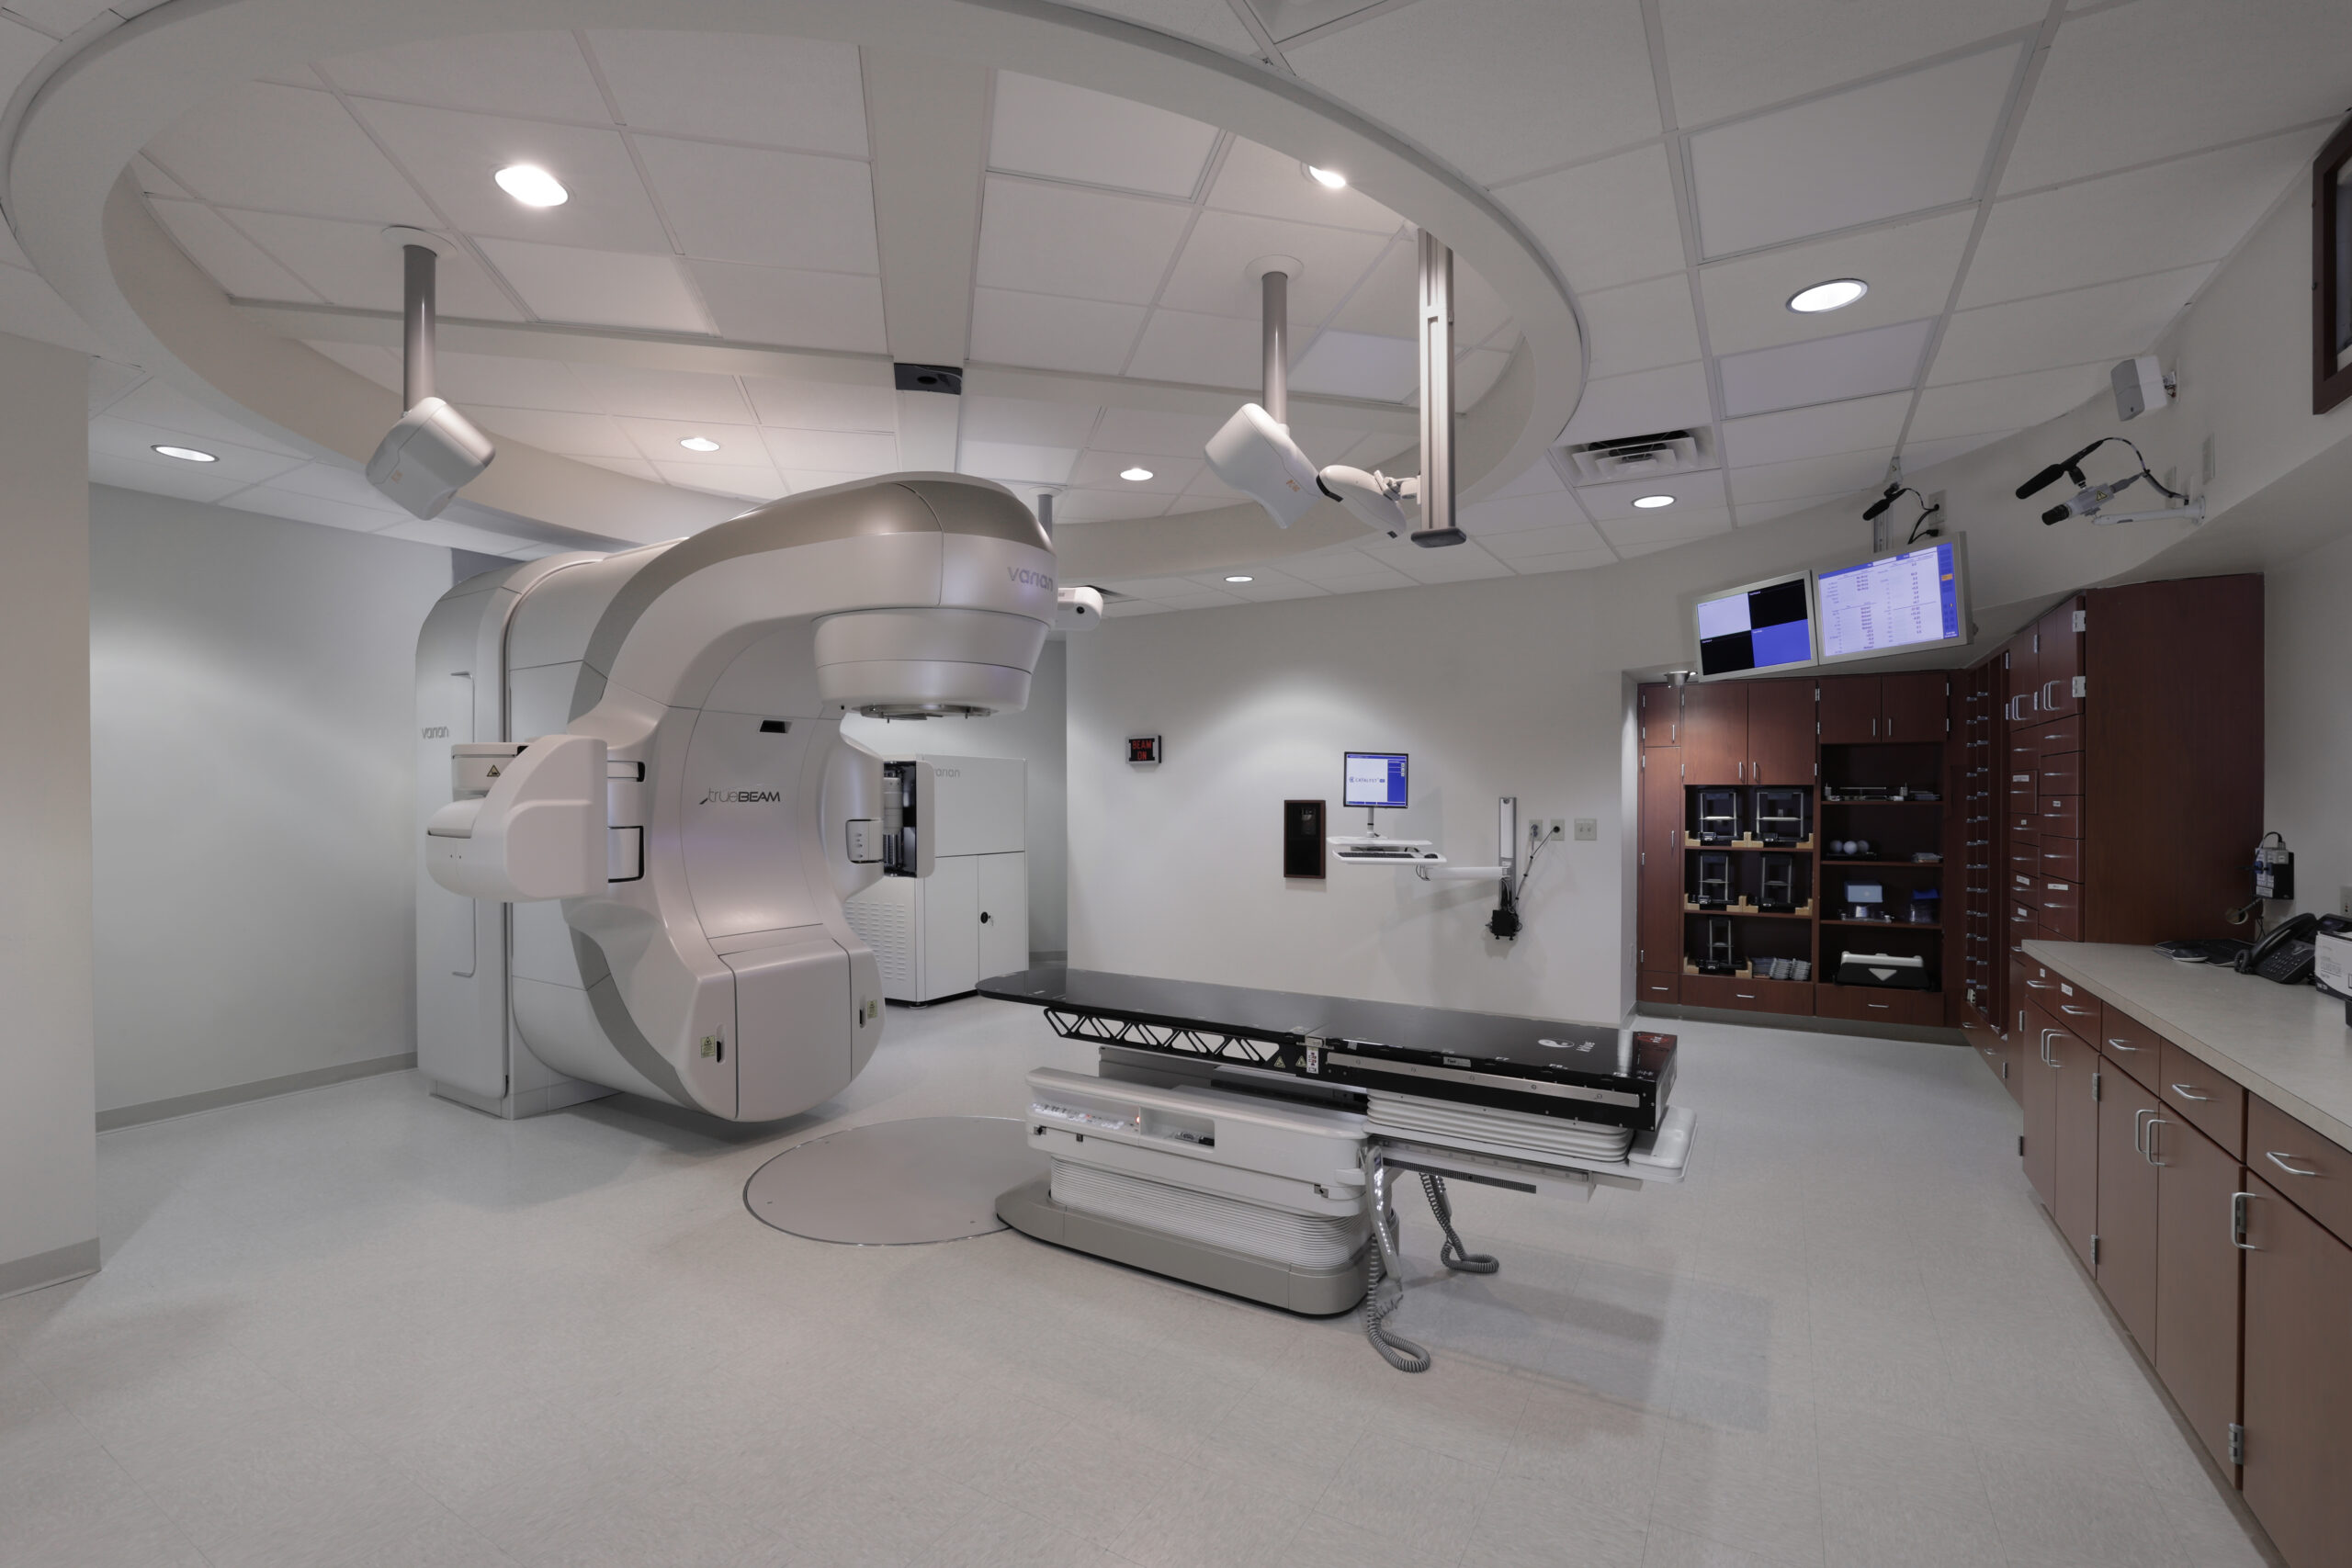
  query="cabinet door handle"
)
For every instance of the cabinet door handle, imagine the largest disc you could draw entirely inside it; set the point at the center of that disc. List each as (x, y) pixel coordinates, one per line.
(2183, 1090)
(2046, 1060)
(2041, 701)
(2072, 1011)
(2039, 985)
(2120, 1046)
(2140, 1131)
(2156, 1119)
(2238, 1202)
(2275, 1158)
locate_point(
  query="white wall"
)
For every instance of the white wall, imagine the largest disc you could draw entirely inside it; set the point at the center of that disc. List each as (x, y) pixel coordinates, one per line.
(1036, 736)
(2307, 722)
(252, 691)
(49, 1223)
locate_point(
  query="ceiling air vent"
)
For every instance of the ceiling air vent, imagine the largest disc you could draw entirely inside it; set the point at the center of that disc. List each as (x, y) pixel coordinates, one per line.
(1637, 457)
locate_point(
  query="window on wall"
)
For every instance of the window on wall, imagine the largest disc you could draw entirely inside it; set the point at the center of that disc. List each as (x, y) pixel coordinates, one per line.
(2331, 271)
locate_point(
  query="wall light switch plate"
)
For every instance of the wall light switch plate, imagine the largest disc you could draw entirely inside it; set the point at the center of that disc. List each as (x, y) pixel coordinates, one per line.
(1588, 829)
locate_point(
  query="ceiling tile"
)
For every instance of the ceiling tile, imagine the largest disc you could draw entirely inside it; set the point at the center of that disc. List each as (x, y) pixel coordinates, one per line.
(803, 480)
(1727, 56)
(2107, 321)
(130, 446)
(1256, 179)
(828, 405)
(1153, 434)
(1922, 454)
(1107, 505)
(503, 382)
(452, 157)
(1476, 371)
(1358, 364)
(328, 482)
(747, 204)
(2006, 402)
(1573, 560)
(1268, 586)
(1451, 563)
(1339, 564)
(444, 533)
(752, 481)
(1640, 326)
(635, 468)
(1576, 78)
(351, 264)
(533, 76)
(276, 498)
(1201, 351)
(570, 434)
(2241, 70)
(154, 182)
(658, 439)
(836, 451)
(1520, 515)
(1052, 334)
(777, 91)
(1613, 221)
(162, 406)
(664, 394)
(1845, 474)
(1009, 462)
(158, 476)
(1645, 536)
(1559, 538)
(803, 310)
(1022, 422)
(1823, 369)
(1099, 470)
(263, 145)
(1210, 22)
(242, 268)
(110, 381)
(1046, 239)
(63, 18)
(378, 364)
(1751, 513)
(1909, 142)
(2174, 215)
(607, 288)
(1374, 450)
(1387, 301)
(1061, 133)
(1541, 478)
(1819, 432)
(1642, 403)
(1212, 273)
(1909, 267)
(1700, 491)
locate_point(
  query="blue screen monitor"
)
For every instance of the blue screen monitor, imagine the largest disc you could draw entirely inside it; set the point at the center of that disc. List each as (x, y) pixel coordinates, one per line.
(1912, 599)
(1375, 780)
(1763, 626)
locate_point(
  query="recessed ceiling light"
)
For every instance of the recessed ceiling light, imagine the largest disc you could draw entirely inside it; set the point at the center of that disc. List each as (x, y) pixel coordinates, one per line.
(186, 454)
(1136, 474)
(1834, 295)
(1652, 502)
(1330, 179)
(531, 186)
(699, 443)
(1241, 580)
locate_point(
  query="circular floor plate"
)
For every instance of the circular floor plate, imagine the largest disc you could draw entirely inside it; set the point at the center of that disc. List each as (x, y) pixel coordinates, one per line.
(893, 1183)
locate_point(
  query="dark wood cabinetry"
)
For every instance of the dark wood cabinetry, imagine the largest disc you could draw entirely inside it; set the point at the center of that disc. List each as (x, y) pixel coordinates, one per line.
(2075, 1131)
(1714, 733)
(1657, 937)
(1781, 749)
(2127, 1205)
(1746, 732)
(2297, 1379)
(1659, 711)
(2197, 1278)
(1860, 710)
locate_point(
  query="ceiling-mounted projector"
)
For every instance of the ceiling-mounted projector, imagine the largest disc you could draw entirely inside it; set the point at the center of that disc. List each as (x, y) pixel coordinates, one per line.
(433, 453)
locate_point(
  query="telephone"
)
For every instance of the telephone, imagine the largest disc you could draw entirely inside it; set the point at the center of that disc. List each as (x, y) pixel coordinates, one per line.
(2285, 955)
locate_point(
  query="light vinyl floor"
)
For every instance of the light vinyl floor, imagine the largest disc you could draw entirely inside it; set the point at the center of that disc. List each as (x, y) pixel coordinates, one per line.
(361, 1327)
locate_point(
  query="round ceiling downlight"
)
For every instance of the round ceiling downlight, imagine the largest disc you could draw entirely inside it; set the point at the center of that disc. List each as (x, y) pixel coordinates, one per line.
(699, 443)
(184, 454)
(1652, 502)
(1136, 474)
(1834, 295)
(1241, 580)
(1330, 179)
(531, 186)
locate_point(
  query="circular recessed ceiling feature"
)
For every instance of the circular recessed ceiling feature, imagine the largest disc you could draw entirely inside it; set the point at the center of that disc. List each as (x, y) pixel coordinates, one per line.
(1834, 295)
(699, 443)
(186, 454)
(1136, 474)
(531, 186)
(1241, 580)
(1652, 502)
(1330, 179)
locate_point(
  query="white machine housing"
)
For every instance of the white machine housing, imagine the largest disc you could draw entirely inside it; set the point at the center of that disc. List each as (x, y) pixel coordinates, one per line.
(647, 894)
(431, 455)
(940, 934)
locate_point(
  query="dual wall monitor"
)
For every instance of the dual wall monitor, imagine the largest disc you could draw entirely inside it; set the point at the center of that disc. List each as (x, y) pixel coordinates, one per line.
(1901, 602)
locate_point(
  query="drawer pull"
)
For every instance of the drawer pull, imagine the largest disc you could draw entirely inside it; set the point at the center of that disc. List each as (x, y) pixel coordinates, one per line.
(2238, 1202)
(2074, 1011)
(2041, 985)
(2120, 1045)
(2183, 1090)
(1745, 996)
(2275, 1158)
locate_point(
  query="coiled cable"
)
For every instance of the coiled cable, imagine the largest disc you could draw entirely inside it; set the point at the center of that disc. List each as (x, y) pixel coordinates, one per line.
(1452, 1255)
(1384, 1284)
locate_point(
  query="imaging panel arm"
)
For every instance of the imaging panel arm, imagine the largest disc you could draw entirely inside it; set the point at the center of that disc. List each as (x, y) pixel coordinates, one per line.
(538, 833)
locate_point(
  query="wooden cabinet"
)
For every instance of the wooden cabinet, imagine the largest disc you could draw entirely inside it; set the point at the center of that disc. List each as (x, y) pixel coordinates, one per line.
(1780, 748)
(1659, 712)
(2197, 1278)
(1849, 709)
(2127, 1205)
(2057, 661)
(1714, 732)
(2019, 678)
(2298, 1380)
(2039, 1097)
(1658, 886)
(2314, 1172)
(2213, 1103)
(2129, 1044)
(1912, 707)
(2075, 1101)
(1868, 1004)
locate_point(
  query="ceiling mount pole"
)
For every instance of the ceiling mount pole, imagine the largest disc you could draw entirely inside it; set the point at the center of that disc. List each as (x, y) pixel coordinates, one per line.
(1438, 527)
(421, 255)
(1273, 275)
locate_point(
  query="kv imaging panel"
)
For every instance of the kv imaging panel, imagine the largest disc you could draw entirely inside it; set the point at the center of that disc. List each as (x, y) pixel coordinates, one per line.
(1765, 625)
(1912, 599)
(1375, 779)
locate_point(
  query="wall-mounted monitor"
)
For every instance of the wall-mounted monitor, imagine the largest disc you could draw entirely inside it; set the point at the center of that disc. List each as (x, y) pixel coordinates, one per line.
(1763, 626)
(1912, 599)
(1375, 780)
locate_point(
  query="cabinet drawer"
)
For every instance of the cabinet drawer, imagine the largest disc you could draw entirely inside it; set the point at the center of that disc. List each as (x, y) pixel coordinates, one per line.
(2214, 1105)
(2024, 799)
(1868, 1006)
(2060, 735)
(2061, 858)
(2061, 775)
(1743, 994)
(2315, 1173)
(2025, 860)
(2074, 1010)
(2024, 885)
(2061, 816)
(1658, 988)
(2023, 824)
(2056, 896)
(2130, 1045)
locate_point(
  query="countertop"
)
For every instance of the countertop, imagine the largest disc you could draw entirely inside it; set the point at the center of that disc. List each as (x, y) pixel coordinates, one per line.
(2287, 1043)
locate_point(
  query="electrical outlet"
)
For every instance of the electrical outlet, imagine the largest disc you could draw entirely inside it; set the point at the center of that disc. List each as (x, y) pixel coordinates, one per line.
(1588, 829)
(2344, 900)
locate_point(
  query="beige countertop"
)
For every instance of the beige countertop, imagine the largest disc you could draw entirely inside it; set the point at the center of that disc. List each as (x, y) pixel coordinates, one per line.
(2287, 1043)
